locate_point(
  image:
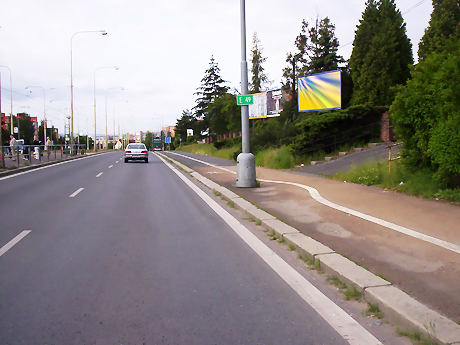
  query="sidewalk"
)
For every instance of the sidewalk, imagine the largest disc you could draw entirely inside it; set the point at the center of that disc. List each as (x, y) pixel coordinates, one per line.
(425, 271)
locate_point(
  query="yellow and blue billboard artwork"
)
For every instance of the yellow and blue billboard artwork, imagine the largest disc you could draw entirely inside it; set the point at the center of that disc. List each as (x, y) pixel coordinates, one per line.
(320, 91)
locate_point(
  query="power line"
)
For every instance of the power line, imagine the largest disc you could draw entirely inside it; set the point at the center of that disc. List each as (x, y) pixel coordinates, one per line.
(403, 13)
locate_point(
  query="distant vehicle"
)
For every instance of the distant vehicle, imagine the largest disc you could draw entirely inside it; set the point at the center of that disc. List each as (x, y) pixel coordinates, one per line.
(157, 144)
(136, 152)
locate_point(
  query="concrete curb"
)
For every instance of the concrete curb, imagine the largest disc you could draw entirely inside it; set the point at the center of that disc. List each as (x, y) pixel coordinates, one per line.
(396, 304)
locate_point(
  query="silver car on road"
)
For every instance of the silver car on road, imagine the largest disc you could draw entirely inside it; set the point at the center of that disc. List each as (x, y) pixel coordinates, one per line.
(136, 151)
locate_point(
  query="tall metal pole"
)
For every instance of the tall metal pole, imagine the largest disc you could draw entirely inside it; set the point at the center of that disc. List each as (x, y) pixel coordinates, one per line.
(246, 169)
(71, 87)
(116, 68)
(106, 129)
(44, 113)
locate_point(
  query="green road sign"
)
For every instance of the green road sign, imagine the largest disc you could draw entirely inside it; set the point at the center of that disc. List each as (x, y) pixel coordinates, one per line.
(244, 100)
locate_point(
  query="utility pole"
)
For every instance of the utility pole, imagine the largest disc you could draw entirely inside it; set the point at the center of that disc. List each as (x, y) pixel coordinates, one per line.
(246, 169)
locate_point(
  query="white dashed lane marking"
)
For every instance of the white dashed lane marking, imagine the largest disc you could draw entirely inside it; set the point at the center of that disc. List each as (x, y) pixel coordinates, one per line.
(15, 240)
(76, 192)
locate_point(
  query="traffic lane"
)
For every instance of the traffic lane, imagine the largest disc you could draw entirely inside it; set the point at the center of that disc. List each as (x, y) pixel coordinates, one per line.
(173, 272)
(32, 197)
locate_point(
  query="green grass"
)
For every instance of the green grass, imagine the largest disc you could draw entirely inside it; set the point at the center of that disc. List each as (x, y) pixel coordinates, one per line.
(291, 247)
(417, 338)
(275, 158)
(210, 150)
(412, 182)
(348, 291)
(372, 310)
(419, 183)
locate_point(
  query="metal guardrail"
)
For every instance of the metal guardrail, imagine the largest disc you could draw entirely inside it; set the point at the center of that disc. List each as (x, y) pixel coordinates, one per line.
(12, 157)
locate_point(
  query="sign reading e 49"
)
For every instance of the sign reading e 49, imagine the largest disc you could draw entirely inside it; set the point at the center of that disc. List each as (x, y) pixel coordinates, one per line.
(244, 100)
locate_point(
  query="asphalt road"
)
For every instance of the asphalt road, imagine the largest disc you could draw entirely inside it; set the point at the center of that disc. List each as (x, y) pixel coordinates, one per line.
(135, 258)
(118, 253)
(368, 155)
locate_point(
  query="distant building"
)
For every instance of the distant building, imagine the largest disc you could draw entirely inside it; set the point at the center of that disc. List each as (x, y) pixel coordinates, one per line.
(139, 137)
(6, 121)
(169, 131)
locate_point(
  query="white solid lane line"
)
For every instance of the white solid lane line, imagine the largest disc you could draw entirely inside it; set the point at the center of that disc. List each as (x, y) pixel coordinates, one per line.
(110, 166)
(76, 192)
(99, 174)
(15, 240)
(343, 323)
(315, 195)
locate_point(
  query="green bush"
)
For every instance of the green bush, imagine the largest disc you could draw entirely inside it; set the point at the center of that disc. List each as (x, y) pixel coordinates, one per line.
(426, 115)
(328, 127)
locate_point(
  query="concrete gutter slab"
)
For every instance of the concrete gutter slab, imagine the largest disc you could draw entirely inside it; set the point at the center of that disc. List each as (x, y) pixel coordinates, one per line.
(279, 227)
(412, 313)
(261, 215)
(244, 205)
(307, 245)
(349, 272)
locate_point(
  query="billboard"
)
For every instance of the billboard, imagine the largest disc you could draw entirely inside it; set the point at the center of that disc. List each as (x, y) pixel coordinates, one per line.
(267, 104)
(258, 109)
(321, 91)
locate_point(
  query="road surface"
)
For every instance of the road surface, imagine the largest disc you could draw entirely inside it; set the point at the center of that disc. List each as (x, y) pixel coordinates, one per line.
(96, 251)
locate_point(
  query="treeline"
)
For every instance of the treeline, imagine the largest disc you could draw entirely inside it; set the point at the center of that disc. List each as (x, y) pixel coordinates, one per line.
(423, 99)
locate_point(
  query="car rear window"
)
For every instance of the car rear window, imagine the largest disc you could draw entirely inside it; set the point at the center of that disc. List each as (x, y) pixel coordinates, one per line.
(132, 147)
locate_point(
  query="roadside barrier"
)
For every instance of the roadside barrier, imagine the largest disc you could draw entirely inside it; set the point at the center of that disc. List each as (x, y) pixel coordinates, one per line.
(12, 157)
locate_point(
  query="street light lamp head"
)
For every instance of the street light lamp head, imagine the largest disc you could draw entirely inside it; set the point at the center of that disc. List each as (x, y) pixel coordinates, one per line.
(116, 68)
(104, 32)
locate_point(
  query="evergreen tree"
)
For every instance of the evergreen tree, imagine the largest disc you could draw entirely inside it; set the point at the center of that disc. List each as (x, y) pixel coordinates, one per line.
(187, 120)
(258, 77)
(322, 48)
(211, 88)
(382, 54)
(443, 29)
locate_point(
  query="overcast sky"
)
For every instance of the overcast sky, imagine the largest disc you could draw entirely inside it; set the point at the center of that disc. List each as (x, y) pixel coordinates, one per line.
(162, 49)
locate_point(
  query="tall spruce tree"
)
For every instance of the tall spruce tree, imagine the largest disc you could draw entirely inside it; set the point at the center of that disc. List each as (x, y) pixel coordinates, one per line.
(382, 54)
(212, 87)
(258, 76)
(444, 28)
(322, 48)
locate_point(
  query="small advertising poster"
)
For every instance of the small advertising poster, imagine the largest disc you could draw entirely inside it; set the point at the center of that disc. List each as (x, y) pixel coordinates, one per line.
(258, 110)
(275, 102)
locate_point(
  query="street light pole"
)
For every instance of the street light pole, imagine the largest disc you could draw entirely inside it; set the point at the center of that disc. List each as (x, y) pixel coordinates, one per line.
(113, 147)
(71, 85)
(246, 170)
(116, 68)
(44, 113)
(106, 130)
